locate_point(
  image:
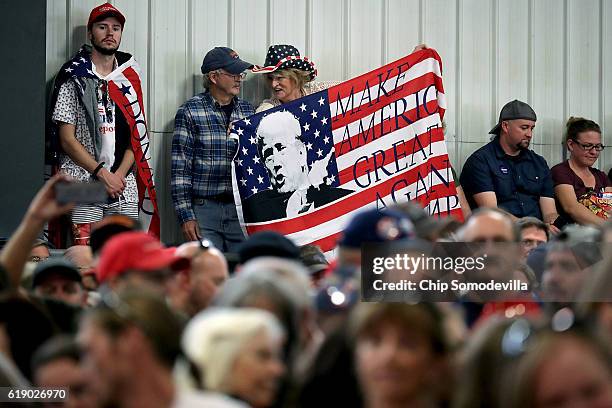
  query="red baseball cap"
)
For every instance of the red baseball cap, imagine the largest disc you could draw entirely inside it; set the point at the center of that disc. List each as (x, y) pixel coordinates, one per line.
(136, 250)
(103, 11)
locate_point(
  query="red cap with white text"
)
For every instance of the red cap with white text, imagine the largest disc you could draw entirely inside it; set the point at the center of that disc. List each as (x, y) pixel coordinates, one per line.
(103, 11)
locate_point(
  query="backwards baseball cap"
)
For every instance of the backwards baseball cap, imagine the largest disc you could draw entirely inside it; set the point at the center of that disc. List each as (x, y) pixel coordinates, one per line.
(514, 110)
(103, 11)
(377, 226)
(224, 58)
(56, 266)
(136, 251)
(313, 258)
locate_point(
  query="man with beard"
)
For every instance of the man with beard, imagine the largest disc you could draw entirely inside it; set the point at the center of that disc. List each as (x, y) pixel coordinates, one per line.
(93, 134)
(505, 173)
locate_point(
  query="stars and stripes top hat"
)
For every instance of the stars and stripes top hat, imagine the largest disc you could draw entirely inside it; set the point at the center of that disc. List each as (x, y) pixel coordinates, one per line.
(283, 56)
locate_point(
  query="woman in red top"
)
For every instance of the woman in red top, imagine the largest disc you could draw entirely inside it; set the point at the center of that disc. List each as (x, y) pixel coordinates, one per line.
(576, 182)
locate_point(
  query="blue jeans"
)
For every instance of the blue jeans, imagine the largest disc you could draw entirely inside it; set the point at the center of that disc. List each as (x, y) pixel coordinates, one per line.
(219, 223)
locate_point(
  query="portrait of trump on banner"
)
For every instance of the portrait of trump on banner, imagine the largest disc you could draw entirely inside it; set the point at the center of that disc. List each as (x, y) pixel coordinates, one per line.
(296, 187)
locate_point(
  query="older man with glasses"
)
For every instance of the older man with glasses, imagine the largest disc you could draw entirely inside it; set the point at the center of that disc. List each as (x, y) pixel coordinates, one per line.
(193, 289)
(202, 152)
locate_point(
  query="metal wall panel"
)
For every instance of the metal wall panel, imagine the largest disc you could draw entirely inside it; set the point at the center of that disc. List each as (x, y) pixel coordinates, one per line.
(553, 54)
(57, 29)
(583, 62)
(288, 24)
(170, 85)
(475, 79)
(584, 57)
(364, 39)
(440, 32)
(606, 80)
(78, 13)
(402, 28)
(210, 28)
(549, 77)
(327, 40)
(511, 57)
(135, 39)
(249, 37)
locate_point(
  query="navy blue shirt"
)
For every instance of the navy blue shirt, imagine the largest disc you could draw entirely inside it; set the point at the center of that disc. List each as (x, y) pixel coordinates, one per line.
(517, 181)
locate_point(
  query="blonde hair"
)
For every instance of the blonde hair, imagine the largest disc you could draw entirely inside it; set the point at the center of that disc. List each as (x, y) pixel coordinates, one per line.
(214, 338)
(298, 76)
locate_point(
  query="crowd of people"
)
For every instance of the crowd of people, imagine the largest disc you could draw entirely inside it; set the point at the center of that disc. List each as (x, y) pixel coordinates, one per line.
(121, 320)
(128, 321)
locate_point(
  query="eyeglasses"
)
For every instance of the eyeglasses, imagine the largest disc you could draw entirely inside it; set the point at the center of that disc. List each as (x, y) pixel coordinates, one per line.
(590, 146)
(237, 77)
(206, 245)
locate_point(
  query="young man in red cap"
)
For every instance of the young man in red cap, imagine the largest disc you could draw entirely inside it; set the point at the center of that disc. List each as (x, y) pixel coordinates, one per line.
(93, 132)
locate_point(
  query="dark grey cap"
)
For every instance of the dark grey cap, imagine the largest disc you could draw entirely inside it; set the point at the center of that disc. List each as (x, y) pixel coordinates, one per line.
(267, 243)
(55, 265)
(224, 58)
(514, 110)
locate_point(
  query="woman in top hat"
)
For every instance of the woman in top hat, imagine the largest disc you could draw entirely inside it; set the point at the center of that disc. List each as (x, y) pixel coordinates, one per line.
(289, 75)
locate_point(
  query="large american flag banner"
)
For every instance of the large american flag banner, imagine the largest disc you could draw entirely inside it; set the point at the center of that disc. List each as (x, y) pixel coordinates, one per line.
(124, 86)
(305, 168)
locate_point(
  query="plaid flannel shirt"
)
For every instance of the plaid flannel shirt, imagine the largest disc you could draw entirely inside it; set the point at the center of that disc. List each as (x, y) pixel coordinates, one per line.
(202, 152)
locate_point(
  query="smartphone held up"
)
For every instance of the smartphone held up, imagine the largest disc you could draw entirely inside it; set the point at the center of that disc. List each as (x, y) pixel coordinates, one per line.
(80, 193)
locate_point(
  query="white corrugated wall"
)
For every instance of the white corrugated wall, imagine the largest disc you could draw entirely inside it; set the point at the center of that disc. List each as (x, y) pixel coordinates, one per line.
(554, 54)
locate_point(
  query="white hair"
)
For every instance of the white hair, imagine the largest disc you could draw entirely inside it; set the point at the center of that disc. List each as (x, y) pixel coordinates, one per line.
(282, 124)
(214, 338)
(291, 275)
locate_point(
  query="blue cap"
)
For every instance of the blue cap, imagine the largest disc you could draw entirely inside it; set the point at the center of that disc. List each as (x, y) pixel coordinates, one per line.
(377, 226)
(224, 58)
(339, 291)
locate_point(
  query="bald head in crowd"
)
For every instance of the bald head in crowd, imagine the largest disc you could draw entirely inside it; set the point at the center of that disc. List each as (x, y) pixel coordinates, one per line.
(194, 289)
(489, 225)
